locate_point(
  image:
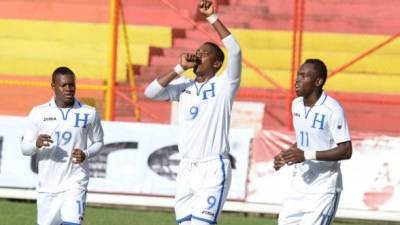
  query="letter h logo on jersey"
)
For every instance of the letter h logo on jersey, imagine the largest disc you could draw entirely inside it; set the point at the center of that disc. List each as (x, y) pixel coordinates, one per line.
(79, 120)
(212, 90)
(319, 120)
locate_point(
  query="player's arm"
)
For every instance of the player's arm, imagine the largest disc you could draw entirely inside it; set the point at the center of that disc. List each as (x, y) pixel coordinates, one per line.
(95, 135)
(339, 129)
(281, 159)
(234, 65)
(161, 89)
(278, 161)
(80, 155)
(341, 135)
(32, 142)
(341, 152)
(207, 9)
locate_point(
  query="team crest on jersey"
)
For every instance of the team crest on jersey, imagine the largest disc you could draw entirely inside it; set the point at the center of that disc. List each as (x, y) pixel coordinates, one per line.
(49, 119)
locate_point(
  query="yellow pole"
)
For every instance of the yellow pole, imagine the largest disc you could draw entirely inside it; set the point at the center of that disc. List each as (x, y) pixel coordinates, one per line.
(132, 82)
(110, 98)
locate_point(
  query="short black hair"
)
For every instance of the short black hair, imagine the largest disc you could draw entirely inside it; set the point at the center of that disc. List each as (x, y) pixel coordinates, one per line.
(62, 70)
(218, 51)
(320, 68)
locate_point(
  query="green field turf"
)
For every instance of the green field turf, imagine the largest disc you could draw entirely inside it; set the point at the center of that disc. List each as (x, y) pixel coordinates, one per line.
(13, 212)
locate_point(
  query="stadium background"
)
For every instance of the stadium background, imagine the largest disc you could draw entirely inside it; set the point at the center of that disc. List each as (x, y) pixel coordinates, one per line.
(358, 39)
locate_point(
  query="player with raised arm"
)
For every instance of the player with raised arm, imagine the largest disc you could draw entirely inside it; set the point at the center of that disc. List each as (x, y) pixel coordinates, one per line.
(58, 133)
(205, 105)
(322, 140)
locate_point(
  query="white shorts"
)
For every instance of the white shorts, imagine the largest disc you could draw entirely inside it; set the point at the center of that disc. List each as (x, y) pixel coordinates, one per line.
(65, 208)
(201, 189)
(309, 209)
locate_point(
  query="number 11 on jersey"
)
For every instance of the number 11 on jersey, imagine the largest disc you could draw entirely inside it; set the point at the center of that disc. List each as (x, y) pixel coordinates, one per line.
(304, 139)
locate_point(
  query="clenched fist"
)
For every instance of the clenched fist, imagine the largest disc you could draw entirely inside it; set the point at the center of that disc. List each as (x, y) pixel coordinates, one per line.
(78, 156)
(189, 60)
(206, 7)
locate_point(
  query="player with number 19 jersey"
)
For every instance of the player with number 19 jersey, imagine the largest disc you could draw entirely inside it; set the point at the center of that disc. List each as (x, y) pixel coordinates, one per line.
(69, 128)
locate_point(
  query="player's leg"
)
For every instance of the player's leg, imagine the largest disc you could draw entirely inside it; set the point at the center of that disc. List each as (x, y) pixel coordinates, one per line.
(48, 209)
(212, 190)
(199, 222)
(73, 208)
(185, 223)
(291, 212)
(183, 194)
(325, 206)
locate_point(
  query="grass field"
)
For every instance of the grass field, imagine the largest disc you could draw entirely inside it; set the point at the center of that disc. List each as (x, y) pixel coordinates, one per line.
(14, 212)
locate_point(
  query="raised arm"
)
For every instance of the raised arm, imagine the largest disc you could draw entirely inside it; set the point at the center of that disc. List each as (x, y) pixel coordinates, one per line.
(206, 8)
(234, 65)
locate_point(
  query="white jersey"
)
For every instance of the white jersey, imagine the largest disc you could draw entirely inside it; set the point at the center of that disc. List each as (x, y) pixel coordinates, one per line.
(69, 128)
(319, 128)
(205, 108)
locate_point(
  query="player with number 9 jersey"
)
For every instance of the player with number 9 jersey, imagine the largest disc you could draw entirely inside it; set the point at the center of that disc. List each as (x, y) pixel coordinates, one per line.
(205, 105)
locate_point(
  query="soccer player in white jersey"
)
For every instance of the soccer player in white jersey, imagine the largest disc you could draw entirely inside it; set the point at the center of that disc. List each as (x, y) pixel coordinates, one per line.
(58, 133)
(322, 140)
(205, 105)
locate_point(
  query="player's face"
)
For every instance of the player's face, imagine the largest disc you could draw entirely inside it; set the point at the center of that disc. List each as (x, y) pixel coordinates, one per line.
(64, 89)
(207, 61)
(306, 80)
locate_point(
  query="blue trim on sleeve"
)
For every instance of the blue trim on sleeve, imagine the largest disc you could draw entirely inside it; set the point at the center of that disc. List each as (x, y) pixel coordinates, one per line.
(204, 220)
(186, 218)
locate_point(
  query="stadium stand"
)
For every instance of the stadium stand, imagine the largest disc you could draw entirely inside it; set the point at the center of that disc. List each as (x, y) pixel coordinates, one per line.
(160, 31)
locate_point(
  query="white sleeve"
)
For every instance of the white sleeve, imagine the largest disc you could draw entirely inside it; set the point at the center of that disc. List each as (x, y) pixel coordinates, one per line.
(338, 126)
(28, 145)
(171, 92)
(234, 65)
(155, 91)
(93, 149)
(95, 135)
